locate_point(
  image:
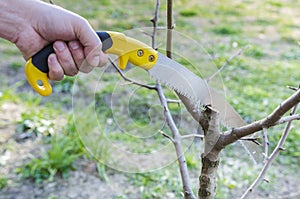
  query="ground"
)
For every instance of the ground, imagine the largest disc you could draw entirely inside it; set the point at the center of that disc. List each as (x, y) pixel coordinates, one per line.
(255, 83)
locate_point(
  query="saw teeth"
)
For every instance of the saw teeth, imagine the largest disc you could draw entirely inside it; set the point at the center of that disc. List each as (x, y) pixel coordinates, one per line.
(194, 101)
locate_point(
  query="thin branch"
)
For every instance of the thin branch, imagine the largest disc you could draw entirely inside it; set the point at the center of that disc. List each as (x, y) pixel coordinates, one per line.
(292, 88)
(185, 179)
(130, 80)
(227, 62)
(170, 27)
(175, 101)
(167, 136)
(271, 158)
(288, 119)
(202, 136)
(266, 143)
(192, 136)
(154, 21)
(178, 146)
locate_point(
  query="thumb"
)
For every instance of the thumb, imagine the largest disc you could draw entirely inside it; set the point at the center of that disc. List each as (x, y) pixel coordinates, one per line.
(91, 43)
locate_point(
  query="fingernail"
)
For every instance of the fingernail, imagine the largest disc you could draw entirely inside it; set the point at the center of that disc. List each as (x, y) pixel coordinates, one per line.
(52, 58)
(60, 46)
(74, 45)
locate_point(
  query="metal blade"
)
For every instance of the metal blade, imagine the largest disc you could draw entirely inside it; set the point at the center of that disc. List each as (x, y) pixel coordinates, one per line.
(179, 78)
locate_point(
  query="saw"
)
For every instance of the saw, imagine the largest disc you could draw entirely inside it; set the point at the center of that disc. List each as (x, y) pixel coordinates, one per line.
(160, 67)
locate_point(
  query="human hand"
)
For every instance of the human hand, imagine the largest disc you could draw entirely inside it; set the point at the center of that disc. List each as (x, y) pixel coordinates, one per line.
(34, 24)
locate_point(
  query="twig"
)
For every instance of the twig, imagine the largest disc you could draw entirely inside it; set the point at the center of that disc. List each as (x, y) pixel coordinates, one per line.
(227, 62)
(254, 140)
(154, 21)
(202, 136)
(130, 80)
(192, 136)
(288, 119)
(174, 101)
(292, 88)
(271, 158)
(266, 143)
(167, 136)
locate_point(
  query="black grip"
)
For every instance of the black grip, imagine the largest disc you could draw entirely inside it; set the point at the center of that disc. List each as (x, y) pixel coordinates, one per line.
(40, 59)
(106, 40)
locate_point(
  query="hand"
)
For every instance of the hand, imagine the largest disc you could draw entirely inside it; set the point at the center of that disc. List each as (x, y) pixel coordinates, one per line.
(32, 24)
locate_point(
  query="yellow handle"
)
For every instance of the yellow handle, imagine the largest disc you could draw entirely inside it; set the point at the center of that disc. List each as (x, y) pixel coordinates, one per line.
(131, 50)
(37, 79)
(127, 49)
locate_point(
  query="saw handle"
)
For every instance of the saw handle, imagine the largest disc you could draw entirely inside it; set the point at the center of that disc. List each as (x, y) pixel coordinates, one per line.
(127, 49)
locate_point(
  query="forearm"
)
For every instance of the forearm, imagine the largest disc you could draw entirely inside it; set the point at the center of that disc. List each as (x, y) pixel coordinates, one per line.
(14, 17)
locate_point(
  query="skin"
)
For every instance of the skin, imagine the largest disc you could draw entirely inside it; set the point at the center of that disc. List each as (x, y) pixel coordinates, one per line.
(33, 24)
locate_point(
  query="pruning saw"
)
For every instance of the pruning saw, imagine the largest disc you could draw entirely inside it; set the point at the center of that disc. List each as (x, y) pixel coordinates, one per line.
(160, 67)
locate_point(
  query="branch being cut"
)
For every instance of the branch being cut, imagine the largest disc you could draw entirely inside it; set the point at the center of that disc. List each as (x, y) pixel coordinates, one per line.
(211, 156)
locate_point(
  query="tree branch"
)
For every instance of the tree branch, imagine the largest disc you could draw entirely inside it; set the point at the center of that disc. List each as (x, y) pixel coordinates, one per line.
(266, 143)
(211, 156)
(227, 62)
(169, 27)
(154, 21)
(167, 136)
(271, 158)
(288, 118)
(273, 119)
(130, 80)
(188, 193)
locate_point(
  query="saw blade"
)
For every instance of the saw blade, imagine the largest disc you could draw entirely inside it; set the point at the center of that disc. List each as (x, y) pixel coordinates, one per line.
(185, 82)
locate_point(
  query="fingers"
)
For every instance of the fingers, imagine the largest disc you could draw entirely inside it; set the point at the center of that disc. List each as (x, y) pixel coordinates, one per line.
(65, 58)
(70, 58)
(76, 50)
(85, 67)
(55, 70)
(91, 44)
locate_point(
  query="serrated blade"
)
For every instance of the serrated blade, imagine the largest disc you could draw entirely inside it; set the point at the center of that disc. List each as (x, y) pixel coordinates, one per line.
(179, 78)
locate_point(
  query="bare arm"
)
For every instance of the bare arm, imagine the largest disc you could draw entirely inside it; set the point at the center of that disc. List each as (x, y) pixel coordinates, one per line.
(32, 24)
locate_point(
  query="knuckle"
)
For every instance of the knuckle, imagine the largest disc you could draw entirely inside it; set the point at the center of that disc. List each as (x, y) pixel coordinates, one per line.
(56, 74)
(71, 70)
(103, 60)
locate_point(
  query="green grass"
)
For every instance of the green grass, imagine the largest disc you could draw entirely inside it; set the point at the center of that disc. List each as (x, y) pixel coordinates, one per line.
(155, 184)
(189, 12)
(3, 182)
(58, 160)
(226, 29)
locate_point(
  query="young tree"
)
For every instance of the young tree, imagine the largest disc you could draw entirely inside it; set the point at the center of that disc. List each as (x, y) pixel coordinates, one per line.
(210, 122)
